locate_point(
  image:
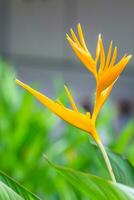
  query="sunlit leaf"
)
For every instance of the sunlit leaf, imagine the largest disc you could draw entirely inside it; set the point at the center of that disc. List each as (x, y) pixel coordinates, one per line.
(6, 193)
(95, 187)
(6, 183)
(122, 168)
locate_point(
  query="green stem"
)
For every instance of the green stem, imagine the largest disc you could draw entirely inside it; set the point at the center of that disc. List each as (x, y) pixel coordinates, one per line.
(107, 161)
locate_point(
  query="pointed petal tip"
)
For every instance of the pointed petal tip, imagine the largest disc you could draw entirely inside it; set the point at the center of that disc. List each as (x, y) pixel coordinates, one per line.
(25, 86)
(66, 88)
(67, 35)
(79, 25)
(71, 30)
(99, 36)
(18, 81)
(129, 56)
(72, 33)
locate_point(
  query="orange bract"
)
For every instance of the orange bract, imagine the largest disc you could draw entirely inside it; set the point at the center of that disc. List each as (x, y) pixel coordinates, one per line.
(106, 75)
(108, 71)
(81, 121)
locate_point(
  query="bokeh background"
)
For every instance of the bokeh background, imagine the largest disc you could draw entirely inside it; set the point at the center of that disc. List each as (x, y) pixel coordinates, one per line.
(33, 48)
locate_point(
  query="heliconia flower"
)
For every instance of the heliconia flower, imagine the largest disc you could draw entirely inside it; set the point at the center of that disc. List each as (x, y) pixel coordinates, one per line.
(103, 67)
(106, 75)
(81, 50)
(106, 72)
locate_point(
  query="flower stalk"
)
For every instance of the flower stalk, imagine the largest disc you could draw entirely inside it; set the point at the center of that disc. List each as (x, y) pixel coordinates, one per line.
(107, 161)
(104, 154)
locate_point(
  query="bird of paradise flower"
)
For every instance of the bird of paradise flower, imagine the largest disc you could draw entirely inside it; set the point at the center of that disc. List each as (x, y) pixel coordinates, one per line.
(105, 70)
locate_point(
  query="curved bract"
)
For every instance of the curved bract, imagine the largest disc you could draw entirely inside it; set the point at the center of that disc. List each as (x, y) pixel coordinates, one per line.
(74, 117)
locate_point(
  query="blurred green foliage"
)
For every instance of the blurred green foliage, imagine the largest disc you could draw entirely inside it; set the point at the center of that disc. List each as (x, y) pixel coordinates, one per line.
(28, 131)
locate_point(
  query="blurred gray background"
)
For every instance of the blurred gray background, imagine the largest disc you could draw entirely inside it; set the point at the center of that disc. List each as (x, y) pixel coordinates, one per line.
(32, 38)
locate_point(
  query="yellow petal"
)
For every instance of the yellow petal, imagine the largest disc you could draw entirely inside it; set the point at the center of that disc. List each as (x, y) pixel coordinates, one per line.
(112, 73)
(81, 44)
(102, 55)
(81, 121)
(106, 93)
(98, 48)
(113, 58)
(74, 44)
(71, 99)
(83, 56)
(109, 55)
(74, 37)
(100, 101)
(42, 98)
(82, 40)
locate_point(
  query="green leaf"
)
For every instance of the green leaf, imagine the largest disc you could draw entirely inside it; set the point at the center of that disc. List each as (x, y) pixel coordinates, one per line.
(7, 193)
(7, 183)
(93, 187)
(122, 168)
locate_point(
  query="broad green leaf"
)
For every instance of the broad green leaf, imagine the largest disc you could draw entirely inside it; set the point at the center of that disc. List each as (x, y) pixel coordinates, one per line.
(93, 187)
(122, 168)
(6, 193)
(18, 189)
